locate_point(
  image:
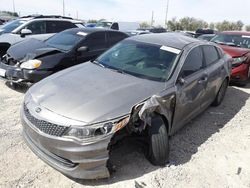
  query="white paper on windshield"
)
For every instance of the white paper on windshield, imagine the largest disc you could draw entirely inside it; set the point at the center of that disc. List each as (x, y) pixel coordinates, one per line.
(245, 36)
(81, 33)
(170, 49)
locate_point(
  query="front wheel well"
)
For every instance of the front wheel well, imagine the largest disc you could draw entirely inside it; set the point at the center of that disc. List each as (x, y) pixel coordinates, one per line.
(165, 120)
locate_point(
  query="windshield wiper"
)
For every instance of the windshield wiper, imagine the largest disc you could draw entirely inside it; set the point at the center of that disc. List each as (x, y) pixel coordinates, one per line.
(97, 63)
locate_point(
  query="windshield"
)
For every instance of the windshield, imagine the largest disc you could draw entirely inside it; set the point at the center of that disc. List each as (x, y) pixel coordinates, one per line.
(148, 61)
(64, 41)
(241, 41)
(104, 24)
(10, 26)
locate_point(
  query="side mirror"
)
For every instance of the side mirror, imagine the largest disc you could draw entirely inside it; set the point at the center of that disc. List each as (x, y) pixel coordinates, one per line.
(83, 49)
(25, 32)
(181, 81)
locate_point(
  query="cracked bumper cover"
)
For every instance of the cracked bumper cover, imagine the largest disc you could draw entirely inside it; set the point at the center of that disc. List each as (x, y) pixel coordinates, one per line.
(16, 73)
(88, 161)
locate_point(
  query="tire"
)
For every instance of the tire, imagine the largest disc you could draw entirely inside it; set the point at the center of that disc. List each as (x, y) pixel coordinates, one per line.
(158, 150)
(221, 93)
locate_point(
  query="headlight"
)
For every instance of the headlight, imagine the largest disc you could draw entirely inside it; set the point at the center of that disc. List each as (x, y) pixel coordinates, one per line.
(31, 64)
(95, 131)
(239, 60)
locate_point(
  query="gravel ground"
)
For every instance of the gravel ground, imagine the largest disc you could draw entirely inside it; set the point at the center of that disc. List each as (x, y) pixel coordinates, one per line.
(211, 151)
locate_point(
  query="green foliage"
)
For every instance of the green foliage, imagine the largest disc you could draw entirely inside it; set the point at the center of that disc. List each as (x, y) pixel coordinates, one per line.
(247, 27)
(192, 24)
(9, 13)
(186, 23)
(92, 21)
(174, 25)
(230, 26)
(144, 25)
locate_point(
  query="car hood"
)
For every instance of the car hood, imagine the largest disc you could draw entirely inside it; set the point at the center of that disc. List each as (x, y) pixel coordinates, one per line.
(30, 49)
(12, 38)
(92, 94)
(234, 51)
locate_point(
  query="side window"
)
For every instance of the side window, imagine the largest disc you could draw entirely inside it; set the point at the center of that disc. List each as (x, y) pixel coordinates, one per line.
(220, 51)
(210, 54)
(58, 26)
(193, 63)
(114, 37)
(96, 41)
(115, 26)
(37, 27)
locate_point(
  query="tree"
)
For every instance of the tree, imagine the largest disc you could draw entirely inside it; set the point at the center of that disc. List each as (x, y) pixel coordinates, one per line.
(212, 25)
(174, 25)
(92, 21)
(226, 25)
(247, 27)
(144, 25)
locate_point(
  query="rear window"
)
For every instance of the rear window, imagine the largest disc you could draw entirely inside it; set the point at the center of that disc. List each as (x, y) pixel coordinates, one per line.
(114, 37)
(210, 54)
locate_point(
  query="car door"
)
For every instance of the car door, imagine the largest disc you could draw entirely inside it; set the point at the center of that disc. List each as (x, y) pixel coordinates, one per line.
(214, 69)
(191, 86)
(96, 44)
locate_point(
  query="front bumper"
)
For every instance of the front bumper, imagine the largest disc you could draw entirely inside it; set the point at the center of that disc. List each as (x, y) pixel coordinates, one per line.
(16, 74)
(240, 73)
(82, 161)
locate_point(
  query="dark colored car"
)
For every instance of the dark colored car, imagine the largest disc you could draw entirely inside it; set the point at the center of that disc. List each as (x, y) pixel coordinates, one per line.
(206, 37)
(33, 60)
(155, 30)
(237, 45)
(148, 86)
(200, 32)
(136, 32)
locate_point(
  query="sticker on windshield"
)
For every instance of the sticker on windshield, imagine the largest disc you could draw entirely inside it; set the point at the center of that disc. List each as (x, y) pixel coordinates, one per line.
(245, 36)
(81, 33)
(170, 49)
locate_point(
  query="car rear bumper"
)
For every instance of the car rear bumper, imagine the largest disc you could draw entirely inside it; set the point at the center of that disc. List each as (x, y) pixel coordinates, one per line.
(16, 74)
(240, 73)
(81, 161)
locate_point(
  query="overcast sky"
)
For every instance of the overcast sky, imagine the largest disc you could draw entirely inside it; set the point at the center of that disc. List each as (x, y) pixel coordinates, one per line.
(136, 10)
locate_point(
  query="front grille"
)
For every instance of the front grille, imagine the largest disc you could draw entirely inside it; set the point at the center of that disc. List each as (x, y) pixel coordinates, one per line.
(44, 126)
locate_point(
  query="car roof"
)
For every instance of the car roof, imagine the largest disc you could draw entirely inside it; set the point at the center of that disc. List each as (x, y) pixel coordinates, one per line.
(237, 32)
(175, 40)
(89, 30)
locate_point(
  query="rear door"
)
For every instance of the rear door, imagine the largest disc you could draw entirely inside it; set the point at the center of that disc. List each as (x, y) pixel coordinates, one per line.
(215, 70)
(191, 88)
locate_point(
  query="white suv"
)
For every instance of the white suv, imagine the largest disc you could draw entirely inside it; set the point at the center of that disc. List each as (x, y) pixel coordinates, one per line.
(40, 27)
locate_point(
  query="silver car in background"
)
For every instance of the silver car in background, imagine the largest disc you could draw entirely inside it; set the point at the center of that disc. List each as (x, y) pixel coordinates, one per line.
(146, 85)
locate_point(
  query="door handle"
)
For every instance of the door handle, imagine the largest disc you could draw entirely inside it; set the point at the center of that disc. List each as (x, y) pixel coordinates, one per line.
(203, 79)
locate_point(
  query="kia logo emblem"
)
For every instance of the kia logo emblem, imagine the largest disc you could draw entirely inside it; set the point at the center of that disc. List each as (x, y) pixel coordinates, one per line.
(38, 110)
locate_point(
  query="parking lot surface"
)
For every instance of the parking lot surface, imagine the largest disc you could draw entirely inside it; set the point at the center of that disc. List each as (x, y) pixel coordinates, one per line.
(211, 151)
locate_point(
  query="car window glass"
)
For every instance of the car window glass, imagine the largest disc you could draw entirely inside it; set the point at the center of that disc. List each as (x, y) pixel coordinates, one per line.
(193, 63)
(220, 52)
(37, 27)
(147, 61)
(114, 37)
(96, 41)
(58, 26)
(210, 54)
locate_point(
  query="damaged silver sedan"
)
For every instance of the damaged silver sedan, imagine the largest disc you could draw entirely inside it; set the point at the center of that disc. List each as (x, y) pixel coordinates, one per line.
(148, 85)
